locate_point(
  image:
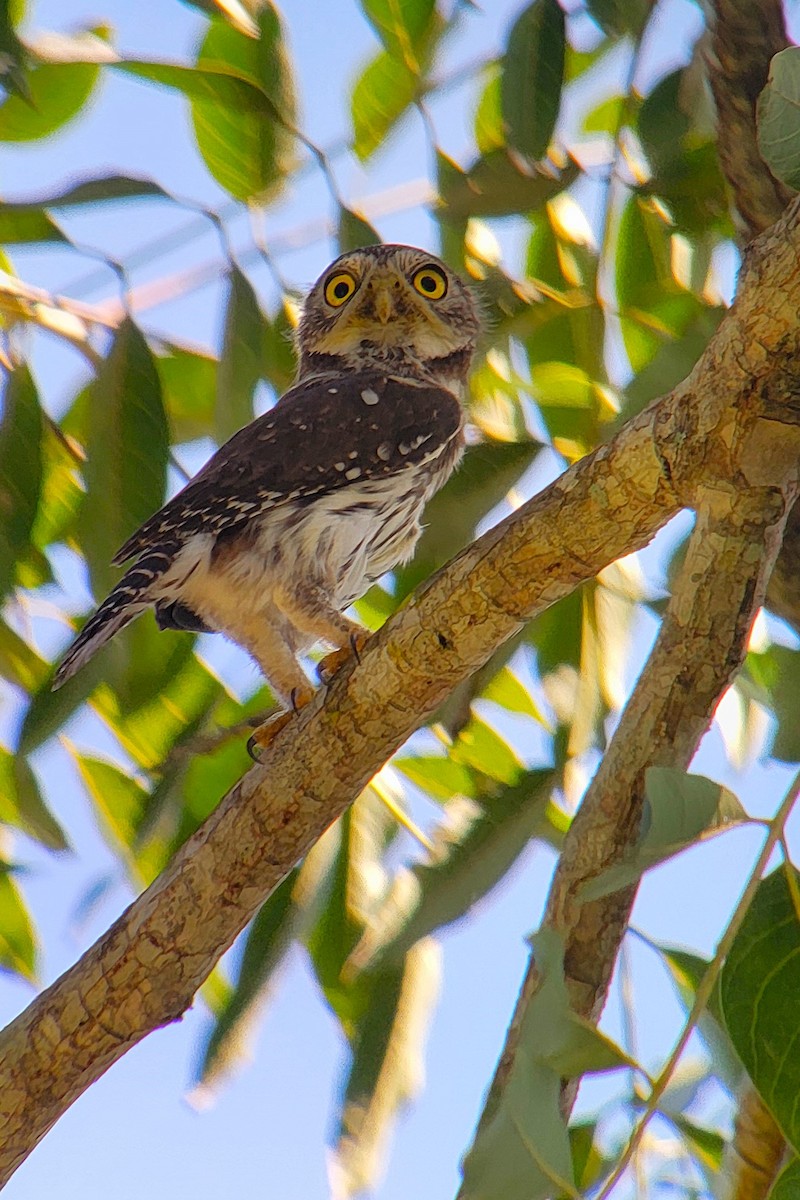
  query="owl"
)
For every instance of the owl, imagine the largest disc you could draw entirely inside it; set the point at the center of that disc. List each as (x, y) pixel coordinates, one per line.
(299, 512)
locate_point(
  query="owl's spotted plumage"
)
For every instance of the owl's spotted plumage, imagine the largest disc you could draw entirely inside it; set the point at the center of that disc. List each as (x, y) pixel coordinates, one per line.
(294, 517)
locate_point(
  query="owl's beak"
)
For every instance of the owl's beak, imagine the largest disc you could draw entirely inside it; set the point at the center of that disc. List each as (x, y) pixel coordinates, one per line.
(384, 305)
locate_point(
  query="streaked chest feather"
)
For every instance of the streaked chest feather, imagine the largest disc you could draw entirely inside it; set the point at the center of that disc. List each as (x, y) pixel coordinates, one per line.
(343, 540)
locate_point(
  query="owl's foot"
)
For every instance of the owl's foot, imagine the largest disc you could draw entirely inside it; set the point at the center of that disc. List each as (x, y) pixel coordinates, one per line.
(264, 736)
(331, 663)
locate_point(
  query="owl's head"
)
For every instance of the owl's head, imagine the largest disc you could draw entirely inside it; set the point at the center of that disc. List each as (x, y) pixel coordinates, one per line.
(392, 307)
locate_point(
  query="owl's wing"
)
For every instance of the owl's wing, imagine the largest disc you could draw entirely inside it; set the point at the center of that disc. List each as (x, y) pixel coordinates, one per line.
(322, 435)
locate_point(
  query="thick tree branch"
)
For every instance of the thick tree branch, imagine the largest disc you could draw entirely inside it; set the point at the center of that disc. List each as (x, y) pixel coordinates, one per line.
(144, 972)
(744, 38)
(742, 494)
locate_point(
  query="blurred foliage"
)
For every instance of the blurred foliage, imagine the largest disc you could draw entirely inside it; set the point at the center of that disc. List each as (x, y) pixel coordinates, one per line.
(621, 227)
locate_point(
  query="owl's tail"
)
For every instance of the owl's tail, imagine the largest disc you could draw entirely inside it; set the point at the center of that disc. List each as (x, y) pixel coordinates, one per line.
(129, 598)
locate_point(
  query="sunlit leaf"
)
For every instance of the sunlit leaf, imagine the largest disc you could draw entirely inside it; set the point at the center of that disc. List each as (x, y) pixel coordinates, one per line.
(56, 93)
(232, 10)
(381, 95)
(22, 803)
(497, 185)
(19, 226)
(474, 848)
(249, 151)
(489, 127)
(778, 671)
(18, 945)
(401, 25)
(533, 72)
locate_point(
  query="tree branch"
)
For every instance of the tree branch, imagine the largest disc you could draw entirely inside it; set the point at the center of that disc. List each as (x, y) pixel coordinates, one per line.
(726, 421)
(741, 510)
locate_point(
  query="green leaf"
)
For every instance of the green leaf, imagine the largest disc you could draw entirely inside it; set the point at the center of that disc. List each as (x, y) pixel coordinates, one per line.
(522, 1147)
(778, 117)
(506, 690)
(620, 16)
(354, 231)
(387, 1065)
(475, 846)
(778, 670)
(127, 450)
(552, 1031)
(358, 880)
(22, 805)
(18, 948)
(21, 434)
(90, 191)
(119, 800)
(22, 225)
(240, 362)
(56, 94)
(653, 308)
(489, 129)
(680, 810)
(481, 747)
(497, 185)
(401, 25)
(441, 777)
(759, 986)
(280, 363)
(14, 57)
(787, 1185)
(687, 970)
(533, 75)
(662, 124)
(522, 1152)
(189, 386)
(381, 95)
(249, 151)
(19, 662)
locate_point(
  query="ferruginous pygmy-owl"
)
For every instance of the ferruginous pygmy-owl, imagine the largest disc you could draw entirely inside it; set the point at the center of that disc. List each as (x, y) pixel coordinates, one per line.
(294, 517)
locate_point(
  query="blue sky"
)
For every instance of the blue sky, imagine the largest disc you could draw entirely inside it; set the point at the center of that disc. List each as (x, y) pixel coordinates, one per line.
(133, 1134)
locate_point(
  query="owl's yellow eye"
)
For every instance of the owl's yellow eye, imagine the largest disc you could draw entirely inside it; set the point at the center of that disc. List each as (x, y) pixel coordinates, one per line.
(430, 282)
(339, 288)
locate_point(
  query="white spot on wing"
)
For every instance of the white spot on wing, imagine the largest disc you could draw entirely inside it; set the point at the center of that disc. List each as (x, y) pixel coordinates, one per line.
(369, 396)
(353, 473)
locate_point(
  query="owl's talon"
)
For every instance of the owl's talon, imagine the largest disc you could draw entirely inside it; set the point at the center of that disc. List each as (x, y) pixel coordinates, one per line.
(264, 736)
(333, 662)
